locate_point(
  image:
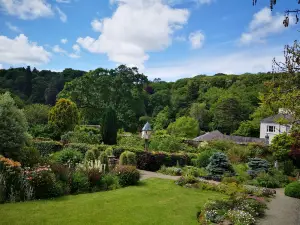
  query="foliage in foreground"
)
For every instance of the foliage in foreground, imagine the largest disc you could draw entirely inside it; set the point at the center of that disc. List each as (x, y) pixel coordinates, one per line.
(293, 190)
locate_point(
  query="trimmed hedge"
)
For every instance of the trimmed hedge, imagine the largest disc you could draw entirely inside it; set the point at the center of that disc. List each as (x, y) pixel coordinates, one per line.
(152, 161)
(47, 147)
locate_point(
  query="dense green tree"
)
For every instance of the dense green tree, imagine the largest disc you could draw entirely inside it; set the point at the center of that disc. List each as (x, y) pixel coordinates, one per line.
(199, 112)
(192, 90)
(36, 114)
(121, 89)
(228, 115)
(184, 127)
(13, 127)
(64, 116)
(109, 127)
(162, 119)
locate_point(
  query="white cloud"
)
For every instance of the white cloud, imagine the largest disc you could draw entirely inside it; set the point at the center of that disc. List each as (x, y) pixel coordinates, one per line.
(58, 49)
(27, 9)
(253, 61)
(12, 27)
(76, 48)
(64, 41)
(204, 1)
(63, 17)
(180, 38)
(22, 51)
(136, 27)
(63, 1)
(262, 25)
(1, 66)
(196, 39)
(97, 25)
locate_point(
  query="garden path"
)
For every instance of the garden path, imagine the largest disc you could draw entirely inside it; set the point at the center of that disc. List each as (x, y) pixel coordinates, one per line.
(282, 210)
(148, 174)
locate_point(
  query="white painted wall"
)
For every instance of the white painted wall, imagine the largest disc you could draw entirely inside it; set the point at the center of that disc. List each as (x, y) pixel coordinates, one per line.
(279, 129)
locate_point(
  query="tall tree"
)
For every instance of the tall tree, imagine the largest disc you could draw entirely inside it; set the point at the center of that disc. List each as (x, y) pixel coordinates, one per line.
(13, 127)
(228, 114)
(28, 82)
(109, 127)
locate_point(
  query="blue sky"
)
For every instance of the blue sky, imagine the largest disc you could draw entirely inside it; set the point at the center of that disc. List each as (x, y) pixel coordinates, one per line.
(169, 39)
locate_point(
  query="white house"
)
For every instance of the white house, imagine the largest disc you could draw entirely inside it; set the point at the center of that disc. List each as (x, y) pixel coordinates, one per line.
(269, 127)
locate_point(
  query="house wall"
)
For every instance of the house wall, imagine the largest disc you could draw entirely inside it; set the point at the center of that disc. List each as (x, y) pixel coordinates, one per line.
(279, 129)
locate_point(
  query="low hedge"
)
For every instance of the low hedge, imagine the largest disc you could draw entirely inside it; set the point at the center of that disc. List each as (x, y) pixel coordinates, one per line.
(152, 161)
(47, 147)
(293, 190)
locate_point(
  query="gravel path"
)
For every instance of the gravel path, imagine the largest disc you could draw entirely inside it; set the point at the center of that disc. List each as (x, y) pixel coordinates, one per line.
(282, 210)
(148, 174)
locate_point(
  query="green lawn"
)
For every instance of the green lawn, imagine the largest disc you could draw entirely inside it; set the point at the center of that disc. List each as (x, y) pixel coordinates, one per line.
(154, 201)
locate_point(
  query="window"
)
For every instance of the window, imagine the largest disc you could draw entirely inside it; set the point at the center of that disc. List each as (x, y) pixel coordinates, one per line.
(271, 129)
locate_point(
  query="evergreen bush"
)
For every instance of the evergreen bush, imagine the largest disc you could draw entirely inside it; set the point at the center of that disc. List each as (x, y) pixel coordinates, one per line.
(293, 190)
(257, 165)
(219, 164)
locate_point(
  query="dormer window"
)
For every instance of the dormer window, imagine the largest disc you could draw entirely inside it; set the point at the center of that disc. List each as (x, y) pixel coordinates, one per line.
(271, 129)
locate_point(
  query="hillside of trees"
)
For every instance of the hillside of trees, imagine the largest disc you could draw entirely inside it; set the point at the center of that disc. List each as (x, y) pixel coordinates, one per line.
(228, 103)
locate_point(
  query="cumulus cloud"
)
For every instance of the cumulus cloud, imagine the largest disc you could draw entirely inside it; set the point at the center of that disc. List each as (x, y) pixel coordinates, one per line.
(135, 28)
(96, 25)
(22, 51)
(13, 27)
(196, 39)
(64, 41)
(262, 25)
(27, 9)
(76, 48)
(58, 49)
(63, 17)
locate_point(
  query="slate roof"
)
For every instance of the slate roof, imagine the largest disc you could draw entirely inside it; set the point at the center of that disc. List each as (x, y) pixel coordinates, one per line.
(275, 118)
(147, 127)
(217, 135)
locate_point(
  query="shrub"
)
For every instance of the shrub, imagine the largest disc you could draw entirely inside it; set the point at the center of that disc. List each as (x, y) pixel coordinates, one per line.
(81, 147)
(128, 175)
(281, 146)
(288, 167)
(13, 127)
(152, 161)
(258, 165)
(64, 115)
(29, 156)
(221, 145)
(293, 190)
(47, 147)
(87, 135)
(188, 179)
(67, 156)
(110, 182)
(202, 159)
(173, 171)
(240, 217)
(37, 114)
(238, 153)
(79, 183)
(90, 155)
(194, 171)
(219, 164)
(265, 180)
(43, 181)
(132, 141)
(128, 158)
(167, 143)
(104, 160)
